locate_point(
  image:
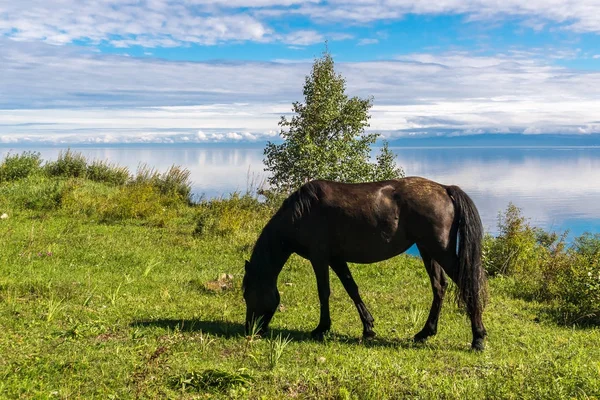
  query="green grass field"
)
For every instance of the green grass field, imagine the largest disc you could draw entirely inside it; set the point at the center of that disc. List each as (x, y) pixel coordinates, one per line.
(135, 305)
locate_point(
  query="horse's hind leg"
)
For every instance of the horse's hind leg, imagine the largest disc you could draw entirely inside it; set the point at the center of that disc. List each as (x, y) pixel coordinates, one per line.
(322, 273)
(438, 285)
(343, 272)
(450, 264)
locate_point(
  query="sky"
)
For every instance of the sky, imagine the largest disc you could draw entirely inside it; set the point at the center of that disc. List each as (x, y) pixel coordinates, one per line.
(188, 71)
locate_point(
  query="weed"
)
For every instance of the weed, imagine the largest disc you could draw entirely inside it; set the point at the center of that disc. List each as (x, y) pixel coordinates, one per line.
(114, 295)
(211, 380)
(37, 193)
(205, 341)
(276, 347)
(416, 315)
(254, 329)
(53, 307)
(88, 298)
(10, 296)
(149, 268)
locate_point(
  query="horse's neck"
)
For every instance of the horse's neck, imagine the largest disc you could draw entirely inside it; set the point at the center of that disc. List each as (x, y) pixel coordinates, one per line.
(269, 254)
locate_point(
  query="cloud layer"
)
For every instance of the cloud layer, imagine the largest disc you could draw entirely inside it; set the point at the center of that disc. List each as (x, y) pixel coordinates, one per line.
(50, 93)
(170, 23)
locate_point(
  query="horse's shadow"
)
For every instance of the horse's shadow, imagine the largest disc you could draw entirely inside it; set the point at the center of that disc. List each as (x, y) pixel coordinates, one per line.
(228, 330)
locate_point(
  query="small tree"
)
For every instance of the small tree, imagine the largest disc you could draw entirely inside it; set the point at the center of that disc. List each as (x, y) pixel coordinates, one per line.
(325, 138)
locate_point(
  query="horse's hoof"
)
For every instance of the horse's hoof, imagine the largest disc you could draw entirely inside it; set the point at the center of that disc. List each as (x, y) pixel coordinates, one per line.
(422, 337)
(318, 335)
(369, 335)
(477, 345)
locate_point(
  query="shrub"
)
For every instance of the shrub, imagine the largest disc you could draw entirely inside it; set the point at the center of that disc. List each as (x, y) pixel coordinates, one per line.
(578, 282)
(101, 171)
(132, 201)
(88, 199)
(68, 164)
(19, 166)
(515, 250)
(174, 183)
(545, 268)
(36, 193)
(223, 217)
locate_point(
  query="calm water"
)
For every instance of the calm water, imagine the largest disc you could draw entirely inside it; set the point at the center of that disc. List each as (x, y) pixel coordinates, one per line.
(557, 188)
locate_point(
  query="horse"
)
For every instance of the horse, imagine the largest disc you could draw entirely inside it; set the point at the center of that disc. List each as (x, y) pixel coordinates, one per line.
(331, 223)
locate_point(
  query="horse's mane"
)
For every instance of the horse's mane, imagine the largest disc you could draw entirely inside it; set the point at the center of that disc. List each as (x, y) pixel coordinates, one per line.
(301, 200)
(299, 203)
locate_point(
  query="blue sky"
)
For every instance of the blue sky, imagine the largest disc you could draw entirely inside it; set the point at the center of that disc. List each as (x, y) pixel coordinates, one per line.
(81, 71)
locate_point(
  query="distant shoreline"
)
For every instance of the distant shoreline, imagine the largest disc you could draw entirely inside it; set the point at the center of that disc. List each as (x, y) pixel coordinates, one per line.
(454, 142)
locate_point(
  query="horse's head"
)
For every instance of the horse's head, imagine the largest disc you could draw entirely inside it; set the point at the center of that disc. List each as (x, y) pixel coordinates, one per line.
(262, 298)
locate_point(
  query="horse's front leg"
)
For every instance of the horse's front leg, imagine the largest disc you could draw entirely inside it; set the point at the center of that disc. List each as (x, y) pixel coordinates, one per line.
(322, 273)
(343, 272)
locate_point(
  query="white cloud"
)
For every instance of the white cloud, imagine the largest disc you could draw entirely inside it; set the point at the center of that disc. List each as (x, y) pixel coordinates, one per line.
(303, 38)
(156, 23)
(169, 23)
(91, 97)
(580, 16)
(364, 42)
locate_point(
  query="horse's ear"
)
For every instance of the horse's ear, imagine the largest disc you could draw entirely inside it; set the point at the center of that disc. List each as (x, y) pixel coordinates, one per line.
(247, 264)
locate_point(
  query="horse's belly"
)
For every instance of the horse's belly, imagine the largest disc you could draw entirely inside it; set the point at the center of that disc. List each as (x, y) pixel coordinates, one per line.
(369, 250)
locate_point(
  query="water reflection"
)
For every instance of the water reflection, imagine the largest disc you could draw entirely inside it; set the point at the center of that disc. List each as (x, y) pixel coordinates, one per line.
(215, 171)
(558, 188)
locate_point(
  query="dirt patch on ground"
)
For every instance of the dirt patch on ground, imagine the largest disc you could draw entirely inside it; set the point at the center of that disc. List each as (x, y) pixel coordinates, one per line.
(223, 283)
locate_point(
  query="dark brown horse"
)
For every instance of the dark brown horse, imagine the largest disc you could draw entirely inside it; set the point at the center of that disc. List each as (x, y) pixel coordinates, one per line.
(331, 224)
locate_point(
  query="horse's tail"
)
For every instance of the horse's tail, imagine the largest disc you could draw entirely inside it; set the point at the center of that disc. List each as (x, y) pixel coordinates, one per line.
(472, 283)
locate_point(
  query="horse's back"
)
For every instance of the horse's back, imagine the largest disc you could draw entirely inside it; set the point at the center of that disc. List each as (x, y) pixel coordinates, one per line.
(365, 222)
(414, 192)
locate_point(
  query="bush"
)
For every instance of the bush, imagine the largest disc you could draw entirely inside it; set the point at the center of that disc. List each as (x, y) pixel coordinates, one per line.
(223, 217)
(578, 281)
(69, 164)
(132, 201)
(19, 166)
(544, 268)
(101, 171)
(114, 204)
(88, 199)
(515, 250)
(175, 182)
(37, 193)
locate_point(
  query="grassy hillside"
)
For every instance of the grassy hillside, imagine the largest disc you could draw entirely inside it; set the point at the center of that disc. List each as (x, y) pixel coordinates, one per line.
(125, 289)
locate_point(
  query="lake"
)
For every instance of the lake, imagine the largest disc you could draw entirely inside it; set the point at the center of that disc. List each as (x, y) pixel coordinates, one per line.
(558, 188)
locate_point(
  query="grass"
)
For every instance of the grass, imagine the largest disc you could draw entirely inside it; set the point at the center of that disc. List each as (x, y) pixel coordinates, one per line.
(94, 307)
